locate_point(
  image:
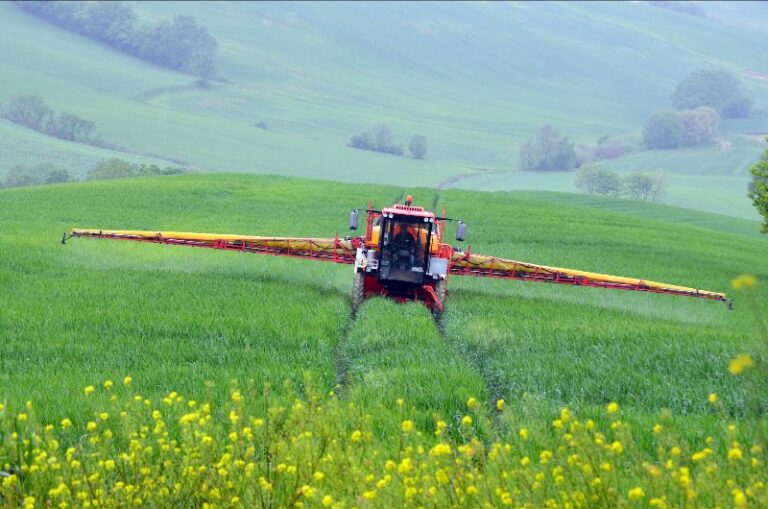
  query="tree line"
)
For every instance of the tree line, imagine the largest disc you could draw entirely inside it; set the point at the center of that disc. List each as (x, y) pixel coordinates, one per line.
(31, 111)
(379, 138)
(646, 186)
(106, 169)
(180, 44)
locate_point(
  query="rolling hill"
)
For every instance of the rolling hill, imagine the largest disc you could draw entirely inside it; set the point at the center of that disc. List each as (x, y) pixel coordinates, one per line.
(476, 79)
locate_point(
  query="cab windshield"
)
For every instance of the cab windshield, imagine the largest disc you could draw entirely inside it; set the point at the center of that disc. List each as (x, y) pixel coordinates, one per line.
(404, 250)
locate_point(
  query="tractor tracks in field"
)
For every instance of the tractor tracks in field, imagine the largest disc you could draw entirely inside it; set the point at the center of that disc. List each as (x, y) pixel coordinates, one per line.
(340, 359)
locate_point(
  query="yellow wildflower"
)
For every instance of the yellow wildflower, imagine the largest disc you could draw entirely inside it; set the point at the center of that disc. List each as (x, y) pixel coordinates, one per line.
(466, 420)
(743, 282)
(740, 363)
(500, 404)
(523, 434)
(127, 380)
(356, 436)
(407, 426)
(89, 390)
(712, 398)
(327, 501)
(636, 493)
(612, 408)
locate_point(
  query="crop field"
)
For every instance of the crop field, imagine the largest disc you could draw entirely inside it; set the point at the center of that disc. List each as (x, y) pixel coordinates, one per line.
(536, 383)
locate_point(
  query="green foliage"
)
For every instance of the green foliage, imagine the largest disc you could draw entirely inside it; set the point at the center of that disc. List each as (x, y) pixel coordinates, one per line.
(716, 89)
(592, 180)
(418, 146)
(115, 168)
(43, 173)
(180, 44)
(378, 139)
(758, 191)
(548, 151)
(30, 110)
(676, 129)
(645, 186)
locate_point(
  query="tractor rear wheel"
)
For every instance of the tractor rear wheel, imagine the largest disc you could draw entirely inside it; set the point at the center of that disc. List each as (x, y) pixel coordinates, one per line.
(358, 292)
(441, 290)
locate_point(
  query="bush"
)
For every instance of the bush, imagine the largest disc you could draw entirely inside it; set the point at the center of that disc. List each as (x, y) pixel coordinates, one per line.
(593, 180)
(717, 89)
(548, 151)
(675, 129)
(645, 186)
(43, 173)
(116, 168)
(378, 139)
(418, 146)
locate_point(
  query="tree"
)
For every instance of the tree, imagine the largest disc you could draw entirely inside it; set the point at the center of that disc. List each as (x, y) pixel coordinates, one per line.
(698, 126)
(378, 139)
(418, 146)
(592, 180)
(663, 130)
(548, 151)
(758, 191)
(645, 186)
(716, 89)
(28, 110)
(112, 169)
(33, 175)
(69, 126)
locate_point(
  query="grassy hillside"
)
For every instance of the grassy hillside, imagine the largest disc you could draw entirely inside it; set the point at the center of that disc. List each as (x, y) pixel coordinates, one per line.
(170, 314)
(477, 79)
(357, 407)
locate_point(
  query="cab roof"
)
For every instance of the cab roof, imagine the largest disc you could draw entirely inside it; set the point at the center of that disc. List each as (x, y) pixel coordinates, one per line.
(408, 210)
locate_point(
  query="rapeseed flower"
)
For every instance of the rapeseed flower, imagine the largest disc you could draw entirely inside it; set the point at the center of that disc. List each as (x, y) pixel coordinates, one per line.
(740, 363)
(612, 408)
(743, 282)
(89, 390)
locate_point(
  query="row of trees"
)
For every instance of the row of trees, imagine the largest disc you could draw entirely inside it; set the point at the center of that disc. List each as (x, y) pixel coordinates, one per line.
(380, 139)
(48, 173)
(676, 129)
(646, 186)
(180, 44)
(31, 110)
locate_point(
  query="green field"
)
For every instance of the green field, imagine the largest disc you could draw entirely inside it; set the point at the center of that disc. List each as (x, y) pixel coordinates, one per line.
(199, 322)
(319, 73)
(180, 317)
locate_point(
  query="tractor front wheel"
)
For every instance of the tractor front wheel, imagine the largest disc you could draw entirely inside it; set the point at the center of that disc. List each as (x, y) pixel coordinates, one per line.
(358, 292)
(441, 290)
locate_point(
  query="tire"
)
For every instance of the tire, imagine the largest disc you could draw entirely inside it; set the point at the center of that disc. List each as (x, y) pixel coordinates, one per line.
(358, 292)
(441, 290)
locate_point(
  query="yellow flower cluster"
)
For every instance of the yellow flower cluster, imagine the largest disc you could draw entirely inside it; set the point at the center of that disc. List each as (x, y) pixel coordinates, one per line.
(318, 451)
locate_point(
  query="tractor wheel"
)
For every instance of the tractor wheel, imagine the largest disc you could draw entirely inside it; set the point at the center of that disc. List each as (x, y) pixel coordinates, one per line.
(358, 292)
(441, 290)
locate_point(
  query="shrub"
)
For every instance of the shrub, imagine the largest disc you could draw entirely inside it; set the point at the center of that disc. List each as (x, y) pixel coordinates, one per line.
(675, 129)
(119, 168)
(592, 180)
(377, 139)
(645, 186)
(418, 146)
(548, 151)
(43, 173)
(716, 89)
(663, 130)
